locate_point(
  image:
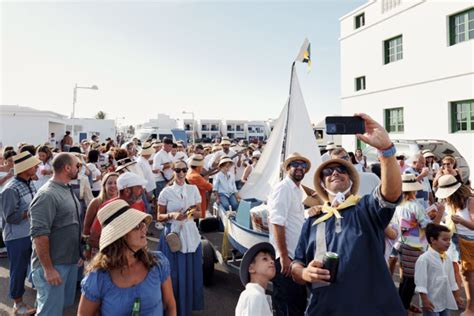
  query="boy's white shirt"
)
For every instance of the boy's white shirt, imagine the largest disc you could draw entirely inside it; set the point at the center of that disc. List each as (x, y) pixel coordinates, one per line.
(253, 301)
(435, 277)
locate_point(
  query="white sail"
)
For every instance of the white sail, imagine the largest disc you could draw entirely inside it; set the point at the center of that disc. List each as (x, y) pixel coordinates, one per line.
(299, 138)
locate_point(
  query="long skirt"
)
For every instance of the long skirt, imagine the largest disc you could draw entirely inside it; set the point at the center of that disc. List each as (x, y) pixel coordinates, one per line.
(186, 276)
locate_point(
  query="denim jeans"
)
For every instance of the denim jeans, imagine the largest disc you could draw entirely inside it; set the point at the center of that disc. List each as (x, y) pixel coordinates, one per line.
(160, 185)
(228, 201)
(19, 256)
(51, 300)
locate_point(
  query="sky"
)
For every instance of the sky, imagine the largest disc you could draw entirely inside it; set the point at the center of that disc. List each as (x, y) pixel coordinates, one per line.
(218, 59)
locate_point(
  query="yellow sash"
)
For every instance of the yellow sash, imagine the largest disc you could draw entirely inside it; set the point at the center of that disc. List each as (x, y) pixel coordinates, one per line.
(449, 222)
(335, 211)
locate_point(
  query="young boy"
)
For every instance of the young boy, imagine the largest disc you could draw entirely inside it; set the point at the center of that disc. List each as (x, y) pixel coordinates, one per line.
(434, 274)
(256, 270)
(224, 185)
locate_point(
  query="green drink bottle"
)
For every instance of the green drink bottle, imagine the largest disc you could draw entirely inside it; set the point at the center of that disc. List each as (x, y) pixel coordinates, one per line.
(136, 307)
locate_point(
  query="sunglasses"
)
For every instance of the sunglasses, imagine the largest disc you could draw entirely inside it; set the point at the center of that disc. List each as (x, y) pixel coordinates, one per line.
(178, 170)
(330, 170)
(296, 164)
(140, 226)
(79, 165)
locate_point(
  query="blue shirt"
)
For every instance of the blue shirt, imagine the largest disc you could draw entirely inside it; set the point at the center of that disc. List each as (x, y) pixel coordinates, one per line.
(363, 283)
(97, 286)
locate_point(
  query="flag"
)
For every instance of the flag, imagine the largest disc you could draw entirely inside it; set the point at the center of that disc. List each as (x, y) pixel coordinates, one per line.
(304, 55)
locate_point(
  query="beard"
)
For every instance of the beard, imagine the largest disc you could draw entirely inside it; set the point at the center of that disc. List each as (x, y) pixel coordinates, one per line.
(73, 175)
(297, 175)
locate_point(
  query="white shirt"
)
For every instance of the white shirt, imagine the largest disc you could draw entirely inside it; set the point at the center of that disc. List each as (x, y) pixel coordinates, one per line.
(42, 179)
(253, 302)
(179, 156)
(147, 173)
(285, 208)
(224, 183)
(179, 197)
(161, 158)
(368, 182)
(221, 154)
(96, 185)
(435, 277)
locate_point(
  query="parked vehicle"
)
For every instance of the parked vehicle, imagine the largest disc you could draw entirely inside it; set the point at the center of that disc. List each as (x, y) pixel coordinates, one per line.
(159, 133)
(409, 148)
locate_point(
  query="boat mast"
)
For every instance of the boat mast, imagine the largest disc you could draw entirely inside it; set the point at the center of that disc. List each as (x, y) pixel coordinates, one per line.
(283, 147)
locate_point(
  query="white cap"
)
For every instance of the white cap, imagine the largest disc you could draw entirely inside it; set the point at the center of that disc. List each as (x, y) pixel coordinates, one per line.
(129, 179)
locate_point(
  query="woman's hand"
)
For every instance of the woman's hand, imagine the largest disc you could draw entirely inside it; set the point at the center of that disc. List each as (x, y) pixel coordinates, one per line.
(177, 216)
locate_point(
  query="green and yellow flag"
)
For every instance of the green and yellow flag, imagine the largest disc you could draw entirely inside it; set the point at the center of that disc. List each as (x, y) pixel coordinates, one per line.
(304, 55)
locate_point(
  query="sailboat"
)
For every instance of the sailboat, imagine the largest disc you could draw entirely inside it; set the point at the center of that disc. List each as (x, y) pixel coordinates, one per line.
(292, 132)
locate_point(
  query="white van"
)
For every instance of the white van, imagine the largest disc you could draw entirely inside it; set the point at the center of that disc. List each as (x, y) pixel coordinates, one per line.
(159, 133)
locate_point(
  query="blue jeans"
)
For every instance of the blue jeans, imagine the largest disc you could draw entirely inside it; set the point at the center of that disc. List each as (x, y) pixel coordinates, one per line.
(443, 313)
(19, 256)
(160, 185)
(51, 300)
(228, 201)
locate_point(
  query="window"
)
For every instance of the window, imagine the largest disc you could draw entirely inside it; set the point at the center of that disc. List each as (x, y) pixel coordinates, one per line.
(461, 27)
(394, 120)
(462, 116)
(359, 20)
(360, 83)
(393, 49)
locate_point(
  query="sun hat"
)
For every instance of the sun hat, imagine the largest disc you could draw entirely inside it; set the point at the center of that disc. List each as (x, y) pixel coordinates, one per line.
(225, 142)
(296, 157)
(129, 179)
(331, 146)
(256, 154)
(24, 161)
(410, 184)
(248, 258)
(95, 146)
(225, 159)
(353, 175)
(147, 149)
(117, 219)
(197, 160)
(447, 185)
(428, 154)
(216, 147)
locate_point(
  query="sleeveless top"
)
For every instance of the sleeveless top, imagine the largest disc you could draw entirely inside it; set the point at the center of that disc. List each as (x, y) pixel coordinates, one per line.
(461, 229)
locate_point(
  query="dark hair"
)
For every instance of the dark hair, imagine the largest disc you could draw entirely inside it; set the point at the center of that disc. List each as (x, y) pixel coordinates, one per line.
(199, 146)
(7, 148)
(120, 154)
(353, 158)
(29, 148)
(60, 161)
(376, 169)
(167, 141)
(434, 230)
(46, 150)
(9, 153)
(175, 145)
(68, 132)
(93, 156)
(75, 149)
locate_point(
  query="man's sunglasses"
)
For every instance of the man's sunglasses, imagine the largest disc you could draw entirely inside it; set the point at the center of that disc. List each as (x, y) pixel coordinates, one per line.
(296, 164)
(330, 170)
(178, 170)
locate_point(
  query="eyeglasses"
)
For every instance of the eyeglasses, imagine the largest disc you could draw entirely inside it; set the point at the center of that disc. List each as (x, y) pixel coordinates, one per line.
(296, 164)
(140, 226)
(330, 170)
(178, 170)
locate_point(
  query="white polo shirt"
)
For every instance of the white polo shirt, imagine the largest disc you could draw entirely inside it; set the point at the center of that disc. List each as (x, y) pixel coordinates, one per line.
(147, 173)
(285, 208)
(161, 158)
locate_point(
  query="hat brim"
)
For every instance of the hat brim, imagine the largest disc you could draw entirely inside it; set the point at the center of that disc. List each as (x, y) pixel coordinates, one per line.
(412, 186)
(248, 258)
(297, 158)
(443, 193)
(25, 165)
(121, 226)
(353, 175)
(225, 160)
(125, 166)
(147, 152)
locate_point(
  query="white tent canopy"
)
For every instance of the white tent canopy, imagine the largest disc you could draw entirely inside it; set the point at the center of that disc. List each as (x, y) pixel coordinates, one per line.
(299, 138)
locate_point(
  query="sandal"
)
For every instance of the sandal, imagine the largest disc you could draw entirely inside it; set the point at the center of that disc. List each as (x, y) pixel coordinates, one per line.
(415, 309)
(23, 309)
(173, 241)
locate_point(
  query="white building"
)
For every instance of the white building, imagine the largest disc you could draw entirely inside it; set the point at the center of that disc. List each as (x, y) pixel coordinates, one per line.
(162, 121)
(234, 129)
(190, 127)
(84, 128)
(208, 128)
(256, 130)
(409, 64)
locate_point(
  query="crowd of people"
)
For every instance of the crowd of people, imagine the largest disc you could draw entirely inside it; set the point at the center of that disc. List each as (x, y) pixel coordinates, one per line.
(79, 213)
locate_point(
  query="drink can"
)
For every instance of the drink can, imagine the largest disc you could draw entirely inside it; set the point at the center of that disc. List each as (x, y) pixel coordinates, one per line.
(331, 263)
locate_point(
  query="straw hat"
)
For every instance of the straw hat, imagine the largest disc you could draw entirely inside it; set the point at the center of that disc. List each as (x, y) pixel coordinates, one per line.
(197, 160)
(224, 160)
(248, 258)
(95, 146)
(24, 161)
(410, 184)
(256, 154)
(353, 175)
(216, 147)
(428, 154)
(447, 185)
(296, 157)
(225, 142)
(117, 219)
(147, 149)
(331, 147)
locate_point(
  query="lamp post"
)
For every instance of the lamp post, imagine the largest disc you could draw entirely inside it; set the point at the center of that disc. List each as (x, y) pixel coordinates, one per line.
(194, 132)
(74, 99)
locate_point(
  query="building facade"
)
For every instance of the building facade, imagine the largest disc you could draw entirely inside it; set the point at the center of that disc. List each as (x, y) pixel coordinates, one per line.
(410, 65)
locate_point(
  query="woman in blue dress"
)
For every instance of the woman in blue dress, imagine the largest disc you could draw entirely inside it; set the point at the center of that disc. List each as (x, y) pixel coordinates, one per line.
(124, 278)
(181, 242)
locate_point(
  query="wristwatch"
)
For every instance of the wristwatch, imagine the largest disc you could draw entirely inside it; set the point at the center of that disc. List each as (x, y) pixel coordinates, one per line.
(388, 152)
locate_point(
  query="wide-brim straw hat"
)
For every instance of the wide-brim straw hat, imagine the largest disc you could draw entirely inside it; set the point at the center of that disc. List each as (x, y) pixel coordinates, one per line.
(197, 160)
(353, 175)
(248, 258)
(147, 150)
(117, 219)
(296, 157)
(24, 161)
(331, 147)
(410, 184)
(447, 185)
(225, 142)
(224, 160)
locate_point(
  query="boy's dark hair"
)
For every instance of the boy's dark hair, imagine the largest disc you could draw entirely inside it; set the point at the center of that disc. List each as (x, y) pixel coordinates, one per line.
(434, 230)
(175, 145)
(266, 252)
(167, 141)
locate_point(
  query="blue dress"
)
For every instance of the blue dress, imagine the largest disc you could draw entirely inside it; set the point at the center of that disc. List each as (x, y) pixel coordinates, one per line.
(363, 283)
(97, 286)
(186, 276)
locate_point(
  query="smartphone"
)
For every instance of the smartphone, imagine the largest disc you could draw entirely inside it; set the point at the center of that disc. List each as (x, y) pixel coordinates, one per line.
(348, 125)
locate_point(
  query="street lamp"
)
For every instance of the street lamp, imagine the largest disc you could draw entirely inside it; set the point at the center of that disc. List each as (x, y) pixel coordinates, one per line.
(74, 99)
(194, 132)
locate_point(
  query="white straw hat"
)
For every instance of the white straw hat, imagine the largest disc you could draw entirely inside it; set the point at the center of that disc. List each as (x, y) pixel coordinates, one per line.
(224, 160)
(409, 183)
(197, 160)
(447, 185)
(147, 149)
(24, 161)
(117, 219)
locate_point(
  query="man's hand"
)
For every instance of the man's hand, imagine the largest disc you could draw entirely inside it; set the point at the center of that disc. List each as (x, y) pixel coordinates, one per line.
(314, 272)
(375, 135)
(459, 302)
(52, 276)
(427, 305)
(285, 263)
